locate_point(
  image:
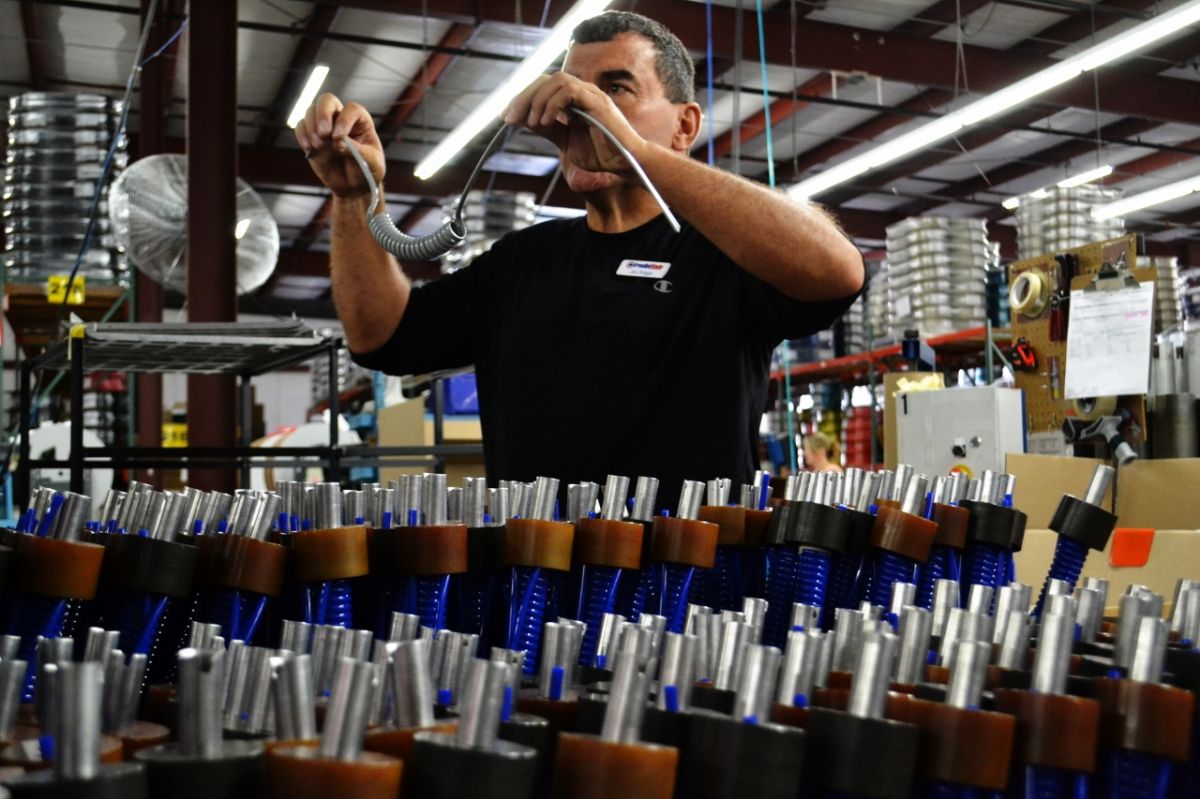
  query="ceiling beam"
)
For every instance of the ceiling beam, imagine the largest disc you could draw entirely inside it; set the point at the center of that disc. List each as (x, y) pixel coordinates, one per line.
(756, 124)
(940, 15)
(304, 58)
(1150, 163)
(35, 46)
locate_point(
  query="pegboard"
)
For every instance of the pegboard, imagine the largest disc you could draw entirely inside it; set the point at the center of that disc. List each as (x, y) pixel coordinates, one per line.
(1045, 407)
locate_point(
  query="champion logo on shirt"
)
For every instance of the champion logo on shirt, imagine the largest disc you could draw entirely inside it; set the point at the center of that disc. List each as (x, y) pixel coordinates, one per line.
(656, 270)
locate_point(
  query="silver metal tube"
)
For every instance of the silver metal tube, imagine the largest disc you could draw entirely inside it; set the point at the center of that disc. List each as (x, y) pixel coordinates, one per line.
(404, 626)
(945, 599)
(758, 684)
(729, 659)
(833, 489)
(412, 687)
(12, 678)
(852, 483)
(958, 487)
(690, 497)
(969, 674)
(903, 474)
(974, 490)
(327, 512)
(791, 487)
(8, 646)
(551, 635)
(717, 491)
(589, 493)
(1014, 646)
(412, 486)
(1150, 650)
(913, 499)
(916, 624)
(325, 640)
(355, 644)
(1053, 654)
(868, 691)
(474, 497)
(1098, 486)
(570, 642)
(988, 484)
(805, 616)
(294, 636)
(77, 726)
(678, 670)
(756, 613)
(616, 489)
(292, 691)
(545, 491)
(1182, 586)
(454, 505)
(887, 483)
(902, 594)
(1089, 613)
(644, 495)
(816, 488)
(606, 640)
(804, 485)
(515, 660)
(1131, 608)
(1009, 486)
(433, 499)
(201, 694)
(699, 624)
(201, 635)
(346, 715)
(1190, 630)
(99, 643)
(800, 663)
(264, 514)
(626, 699)
(870, 492)
(71, 516)
(483, 699)
(847, 638)
(574, 506)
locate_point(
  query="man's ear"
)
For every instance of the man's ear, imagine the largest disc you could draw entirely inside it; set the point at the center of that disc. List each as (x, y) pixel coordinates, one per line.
(687, 127)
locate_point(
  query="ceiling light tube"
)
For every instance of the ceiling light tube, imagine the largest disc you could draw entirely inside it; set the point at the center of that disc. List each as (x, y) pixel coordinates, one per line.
(998, 102)
(1011, 203)
(1136, 202)
(307, 94)
(487, 111)
(1085, 177)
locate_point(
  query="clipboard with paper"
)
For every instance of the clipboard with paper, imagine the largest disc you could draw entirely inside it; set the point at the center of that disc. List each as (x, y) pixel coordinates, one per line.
(1110, 333)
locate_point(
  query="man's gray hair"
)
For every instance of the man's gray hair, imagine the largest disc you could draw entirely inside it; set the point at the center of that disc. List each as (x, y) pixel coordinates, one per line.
(673, 64)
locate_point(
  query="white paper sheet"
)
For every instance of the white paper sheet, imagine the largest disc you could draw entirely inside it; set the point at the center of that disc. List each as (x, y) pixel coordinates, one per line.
(1108, 342)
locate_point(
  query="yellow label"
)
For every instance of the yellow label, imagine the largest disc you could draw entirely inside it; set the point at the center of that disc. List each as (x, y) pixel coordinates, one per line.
(56, 289)
(174, 434)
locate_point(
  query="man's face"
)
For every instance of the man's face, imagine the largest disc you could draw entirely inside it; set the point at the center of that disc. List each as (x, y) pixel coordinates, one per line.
(624, 69)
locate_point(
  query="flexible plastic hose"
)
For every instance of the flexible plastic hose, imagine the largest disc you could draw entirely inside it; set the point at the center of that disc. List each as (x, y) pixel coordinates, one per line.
(840, 590)
(943, 564)
(719, 586)
(675, 585)
(986, 565)
(426, 597)
(813, 567)
(336, 604)
(33, 616)
(638, 592)
(1067, 565)
(529, 597)
(781, 583)
(1137, 775)
(473, 603)
(1040, 782)
(597, 596)
(889, 568)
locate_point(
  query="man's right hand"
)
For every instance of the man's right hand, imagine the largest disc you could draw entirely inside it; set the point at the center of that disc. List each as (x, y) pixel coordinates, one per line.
(320, 135)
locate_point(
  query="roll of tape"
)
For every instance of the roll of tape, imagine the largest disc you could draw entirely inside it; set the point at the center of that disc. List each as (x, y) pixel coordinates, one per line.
(1090, 409)
(1030, 293)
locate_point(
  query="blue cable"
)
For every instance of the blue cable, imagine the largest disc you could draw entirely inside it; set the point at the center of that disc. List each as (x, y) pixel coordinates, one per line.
(944, 563)
(889, 568)
(597, 596)
(529, 598)
(1137, 775)
(1067, 565)
(721, 587)
(781, 586)
(675, 583)
(1042, 782)
(841, 588)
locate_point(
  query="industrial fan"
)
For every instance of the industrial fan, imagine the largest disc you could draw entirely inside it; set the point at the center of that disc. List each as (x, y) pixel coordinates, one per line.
(147, 205)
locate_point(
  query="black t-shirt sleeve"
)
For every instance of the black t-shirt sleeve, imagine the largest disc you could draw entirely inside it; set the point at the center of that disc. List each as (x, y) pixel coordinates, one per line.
(440, 326)
(772, 316)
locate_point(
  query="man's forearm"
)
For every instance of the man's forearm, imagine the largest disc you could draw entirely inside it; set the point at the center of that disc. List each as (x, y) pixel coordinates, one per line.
(369, 290)
(793, 246)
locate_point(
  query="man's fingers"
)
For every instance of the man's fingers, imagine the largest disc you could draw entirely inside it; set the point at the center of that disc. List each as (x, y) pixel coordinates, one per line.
(349, 119)
(327, 106)
(301, 133)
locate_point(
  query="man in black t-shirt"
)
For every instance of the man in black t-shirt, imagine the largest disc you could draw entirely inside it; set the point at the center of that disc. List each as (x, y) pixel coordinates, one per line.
(608, 343)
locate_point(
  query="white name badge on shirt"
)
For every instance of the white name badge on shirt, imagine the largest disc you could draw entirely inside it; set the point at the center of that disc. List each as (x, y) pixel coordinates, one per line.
(651, 269)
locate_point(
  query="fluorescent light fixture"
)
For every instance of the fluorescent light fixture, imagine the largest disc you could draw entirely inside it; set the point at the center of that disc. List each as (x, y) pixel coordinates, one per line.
(307, 94)
(1039, 194)
(1163, 194)
(486, 112)
(1086, 177)
(998, 102)
(1011, 203)
(242, 226)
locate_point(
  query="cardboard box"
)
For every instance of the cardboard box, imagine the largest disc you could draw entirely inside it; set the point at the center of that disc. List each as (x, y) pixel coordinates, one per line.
(1043, 479)
(894, 382)
(1173, 554)
(405, 424)
(1162, 494)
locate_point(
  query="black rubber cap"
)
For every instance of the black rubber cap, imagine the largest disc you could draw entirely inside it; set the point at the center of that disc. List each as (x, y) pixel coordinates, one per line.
(1083, 522)
(993, 524)
(438, 767)
(708, 697)
(861, 757)
(862, 524)
(240, 771)
(151, 565)
(730, 759)
(115, 781)
(485, 549)
(1183, 670)
(821, 526)
(589, 716)
(535, 732)
(6, 561)
(783, 519)
(667, 729)
(1018, 534)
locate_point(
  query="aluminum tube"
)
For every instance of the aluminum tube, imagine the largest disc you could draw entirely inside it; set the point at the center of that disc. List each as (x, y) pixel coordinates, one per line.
(678, 669)
(872, 676)
(545, 492)
(690, 497)
(969, 674)
(474, 499)
(644, 496)
(347, 712)
(1089, 613)
(626, 698)
(902, 594)
(412, 687)
(616, 489)
(1014, 647)
(916, 624)
(483, 699)
(77, 727)
(903, 474)
(1053, 654)
(292, 691)
(12, 678)
(913, 499)
(799, 670)
(945, 599)
(1098, 486)
(1150, 650)
(758, 683)
(805, 616)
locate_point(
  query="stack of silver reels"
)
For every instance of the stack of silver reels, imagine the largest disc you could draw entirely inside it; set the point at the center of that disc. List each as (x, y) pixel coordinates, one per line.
(1062, 219)
(56, 148)
(937, 275)
(1168, 294)
(348, 375)
(487, 216)
(857, 323)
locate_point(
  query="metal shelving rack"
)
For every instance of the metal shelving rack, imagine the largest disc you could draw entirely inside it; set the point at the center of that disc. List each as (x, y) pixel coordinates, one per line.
(240, 350)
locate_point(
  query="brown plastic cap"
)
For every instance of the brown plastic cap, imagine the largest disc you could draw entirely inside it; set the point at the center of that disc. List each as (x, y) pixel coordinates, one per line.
(1145, 717)
(235, 561)
(963, 747)
(789, 715)
(690, 542)
(609, 542)
(561, 715)
(951, 522)
(297, 773)
(430, 549)
(339, 553)
(539, 544)
(731, 521)
(903, 533)
(1052, 730)
(398, 743)
(142, 735)
(757, 522)
(59, 569)
(587, 767)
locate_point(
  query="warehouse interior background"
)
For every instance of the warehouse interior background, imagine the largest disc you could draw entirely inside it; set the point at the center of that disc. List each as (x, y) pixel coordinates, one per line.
(842, 76)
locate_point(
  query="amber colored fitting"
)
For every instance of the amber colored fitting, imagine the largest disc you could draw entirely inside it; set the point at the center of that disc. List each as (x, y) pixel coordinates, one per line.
(589, 767)
(690, 542)
(730, 521)
(608, 542)
(398, 742)
(952, 522)
(1145, 717)
(562, 713)
(903, 533)
(141, 735)
(1053, 730)
(27, 754)
(539, 544)
(58, 569)
(298, 772)
(338, 553)
(427, 549)
(962, 747)
(246, 564)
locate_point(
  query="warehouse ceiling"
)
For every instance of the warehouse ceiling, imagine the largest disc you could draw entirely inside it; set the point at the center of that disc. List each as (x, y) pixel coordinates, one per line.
(842, 75)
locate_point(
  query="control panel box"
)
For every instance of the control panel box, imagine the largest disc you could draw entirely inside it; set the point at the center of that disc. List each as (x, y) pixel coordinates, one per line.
(963, 429)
